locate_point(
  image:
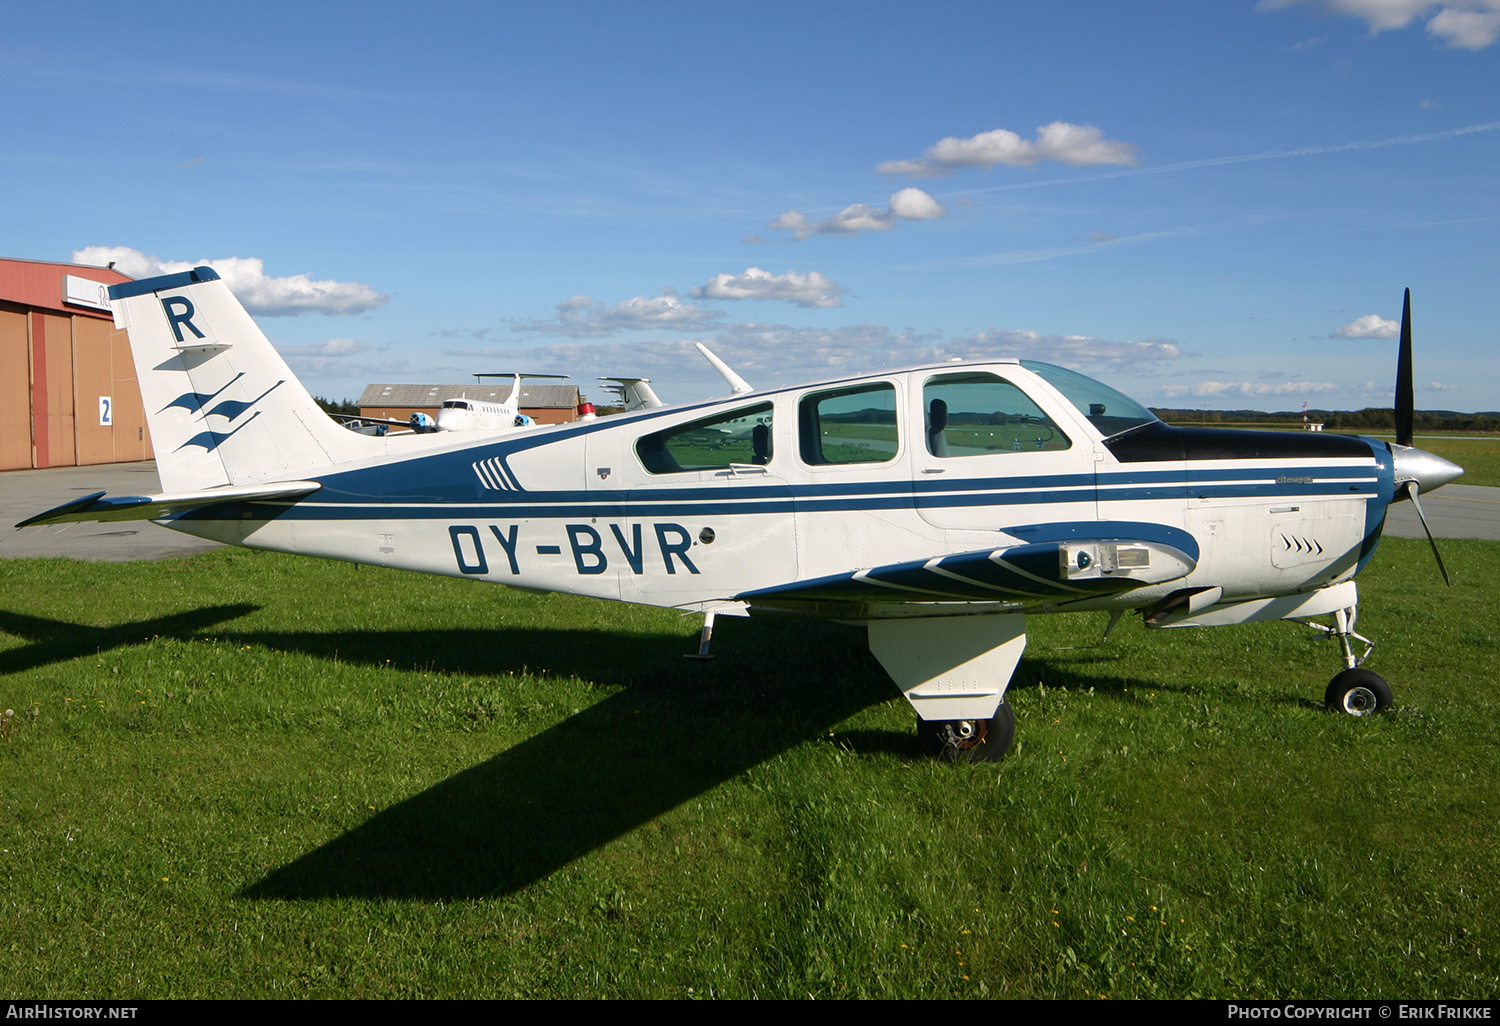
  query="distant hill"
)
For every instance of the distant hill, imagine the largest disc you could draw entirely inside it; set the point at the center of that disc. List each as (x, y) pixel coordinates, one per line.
(1370, 419)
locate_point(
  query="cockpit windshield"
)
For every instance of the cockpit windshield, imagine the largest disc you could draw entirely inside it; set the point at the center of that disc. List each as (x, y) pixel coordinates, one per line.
(1108, 410)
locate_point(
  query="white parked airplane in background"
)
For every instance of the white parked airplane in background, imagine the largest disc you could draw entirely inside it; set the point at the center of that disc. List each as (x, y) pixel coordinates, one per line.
(460, 414)
(938, 506)
(465, 414)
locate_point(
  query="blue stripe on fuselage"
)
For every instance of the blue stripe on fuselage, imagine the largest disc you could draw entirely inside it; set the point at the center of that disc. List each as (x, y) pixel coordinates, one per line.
(744, 501)
(1379, 502)
(436, 479)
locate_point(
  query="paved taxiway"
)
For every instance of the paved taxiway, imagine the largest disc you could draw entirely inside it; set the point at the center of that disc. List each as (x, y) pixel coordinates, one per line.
(1457, 511)
(25, 493)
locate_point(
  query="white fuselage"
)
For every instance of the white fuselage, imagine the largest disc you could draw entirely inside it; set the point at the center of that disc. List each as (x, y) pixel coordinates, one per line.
(587, 509)
(475, 415)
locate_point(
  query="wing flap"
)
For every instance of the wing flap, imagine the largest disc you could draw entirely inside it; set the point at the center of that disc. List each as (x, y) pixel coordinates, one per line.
(101, 507)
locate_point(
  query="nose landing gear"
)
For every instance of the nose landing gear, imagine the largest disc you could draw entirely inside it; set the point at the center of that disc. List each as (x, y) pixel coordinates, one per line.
(1354, 691)
(1358, 693)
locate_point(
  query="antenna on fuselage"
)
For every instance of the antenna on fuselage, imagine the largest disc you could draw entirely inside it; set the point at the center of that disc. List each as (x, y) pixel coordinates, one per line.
(737, 384)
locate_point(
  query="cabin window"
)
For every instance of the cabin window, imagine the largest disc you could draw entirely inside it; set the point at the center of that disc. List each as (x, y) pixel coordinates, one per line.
(740, 438)
(1107, 409)
(979, 414)
(849, 425)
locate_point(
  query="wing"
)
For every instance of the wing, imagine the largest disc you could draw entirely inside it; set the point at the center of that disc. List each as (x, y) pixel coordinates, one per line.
(1056, 571)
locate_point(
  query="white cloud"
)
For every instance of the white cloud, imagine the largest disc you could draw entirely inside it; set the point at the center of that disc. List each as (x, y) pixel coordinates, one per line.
(812, 289)
(331, 360)
(908, 204)
(335, 367)
(1253, 389)
(246, 277)
(855, 218)
(1438, 386)
(912, 204)
(1078, 145)
(765, 354)
(333, 347)
(1306, 44)
(1467, 29)
(1368, 326)
(1075, 351)
(773, 355)
(1464, 24)
(581, 317)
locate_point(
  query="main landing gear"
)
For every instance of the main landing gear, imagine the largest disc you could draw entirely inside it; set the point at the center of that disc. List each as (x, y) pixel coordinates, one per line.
(969, 740)
(1355, 691)
(954, 671)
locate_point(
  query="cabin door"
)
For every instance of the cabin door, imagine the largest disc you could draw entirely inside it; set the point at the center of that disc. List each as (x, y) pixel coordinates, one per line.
(991, 457)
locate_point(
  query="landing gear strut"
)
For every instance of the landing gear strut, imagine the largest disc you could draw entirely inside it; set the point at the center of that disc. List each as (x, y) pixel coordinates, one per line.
(954, 670)
(1355, 691)
(969, 740)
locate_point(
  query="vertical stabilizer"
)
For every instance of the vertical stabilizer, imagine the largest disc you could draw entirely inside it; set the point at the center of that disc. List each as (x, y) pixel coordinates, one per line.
(634, 393)
(223, 407)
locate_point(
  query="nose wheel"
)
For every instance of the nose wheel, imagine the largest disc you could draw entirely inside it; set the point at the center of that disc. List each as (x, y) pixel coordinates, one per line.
(1358, 693)
(1355, 691)
(969, 740)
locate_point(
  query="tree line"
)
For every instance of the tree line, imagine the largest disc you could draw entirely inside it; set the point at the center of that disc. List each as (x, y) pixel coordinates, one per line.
(1369, 419)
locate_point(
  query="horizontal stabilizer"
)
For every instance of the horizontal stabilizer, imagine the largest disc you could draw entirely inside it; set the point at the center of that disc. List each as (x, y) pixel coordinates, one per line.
(97, 507)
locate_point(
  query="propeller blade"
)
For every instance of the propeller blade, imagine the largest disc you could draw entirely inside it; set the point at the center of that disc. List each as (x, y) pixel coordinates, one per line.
(1412, 488)
(1405, 402)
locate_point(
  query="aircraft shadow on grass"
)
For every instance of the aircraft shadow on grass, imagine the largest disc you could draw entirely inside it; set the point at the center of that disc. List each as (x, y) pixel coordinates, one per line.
(674, 731)
(56, 641)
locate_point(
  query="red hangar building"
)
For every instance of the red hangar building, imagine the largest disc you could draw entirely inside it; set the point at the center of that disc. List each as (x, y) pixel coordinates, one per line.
(68, 391)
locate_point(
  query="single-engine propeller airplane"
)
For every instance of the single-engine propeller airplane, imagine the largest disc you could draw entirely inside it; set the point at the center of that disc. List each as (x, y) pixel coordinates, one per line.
(938, 506)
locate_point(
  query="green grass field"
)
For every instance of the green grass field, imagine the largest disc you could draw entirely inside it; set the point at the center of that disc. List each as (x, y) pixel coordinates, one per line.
(252, 775)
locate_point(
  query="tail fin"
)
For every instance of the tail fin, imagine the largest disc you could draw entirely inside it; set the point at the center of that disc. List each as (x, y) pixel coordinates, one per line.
(633, 393)
(222, 405)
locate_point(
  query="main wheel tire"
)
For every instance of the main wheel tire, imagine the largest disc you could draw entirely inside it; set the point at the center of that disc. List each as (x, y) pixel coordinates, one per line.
(969, 740)
(1358, 693)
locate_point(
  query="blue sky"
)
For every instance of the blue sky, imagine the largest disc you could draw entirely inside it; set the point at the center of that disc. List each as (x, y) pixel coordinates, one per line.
(1206, 204)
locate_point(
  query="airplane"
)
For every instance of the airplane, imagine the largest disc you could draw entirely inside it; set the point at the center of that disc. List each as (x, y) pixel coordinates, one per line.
(937, 506)
(464, 414)
(633, 393)
(461, 414)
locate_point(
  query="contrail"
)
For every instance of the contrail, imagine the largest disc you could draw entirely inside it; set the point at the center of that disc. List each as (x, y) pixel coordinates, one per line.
(1246, 158)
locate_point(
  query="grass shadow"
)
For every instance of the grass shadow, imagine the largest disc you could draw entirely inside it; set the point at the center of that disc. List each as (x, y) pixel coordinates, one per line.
(674, 732)
(56, 641)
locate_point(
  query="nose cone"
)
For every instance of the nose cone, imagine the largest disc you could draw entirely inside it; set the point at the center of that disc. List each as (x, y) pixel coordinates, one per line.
(1427, 470)
(455, 419)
